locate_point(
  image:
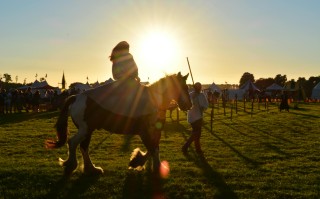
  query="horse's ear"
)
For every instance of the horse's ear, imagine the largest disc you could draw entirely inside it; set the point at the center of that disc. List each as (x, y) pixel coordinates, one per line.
(186, 76)
(179, 74)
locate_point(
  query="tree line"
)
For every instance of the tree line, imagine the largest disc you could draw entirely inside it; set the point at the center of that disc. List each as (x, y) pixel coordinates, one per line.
(306, 84)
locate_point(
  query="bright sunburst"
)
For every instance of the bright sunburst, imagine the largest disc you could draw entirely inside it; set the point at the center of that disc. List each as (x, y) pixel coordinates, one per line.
(158, 49)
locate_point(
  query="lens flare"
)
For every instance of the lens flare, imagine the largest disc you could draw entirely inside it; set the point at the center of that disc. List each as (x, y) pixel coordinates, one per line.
(164, 169)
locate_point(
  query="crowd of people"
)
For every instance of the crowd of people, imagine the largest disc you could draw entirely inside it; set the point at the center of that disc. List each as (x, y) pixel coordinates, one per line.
(17, 101)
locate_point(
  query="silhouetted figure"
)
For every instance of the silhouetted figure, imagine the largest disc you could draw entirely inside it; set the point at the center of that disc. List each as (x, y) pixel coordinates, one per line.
(284, 102)
(195, 117)
(123, 65)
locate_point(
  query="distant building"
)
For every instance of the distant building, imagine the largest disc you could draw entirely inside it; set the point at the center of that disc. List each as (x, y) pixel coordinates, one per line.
(63, 82)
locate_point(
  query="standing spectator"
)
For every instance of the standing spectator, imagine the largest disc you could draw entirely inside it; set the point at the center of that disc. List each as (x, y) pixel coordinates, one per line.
(14, 100)
(7, 102)
(28, 99)
(2, 100)
(36, 101)
(19, 101)
(195, 117)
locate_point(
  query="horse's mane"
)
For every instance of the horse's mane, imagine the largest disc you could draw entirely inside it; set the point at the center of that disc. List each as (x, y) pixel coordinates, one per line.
(163, 79)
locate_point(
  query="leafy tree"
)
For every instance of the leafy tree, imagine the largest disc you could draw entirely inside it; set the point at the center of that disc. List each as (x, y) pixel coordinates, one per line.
(280, 79)
(310, 84)
(301, 81)
(7, 78)
(245, 77)
(264, 83)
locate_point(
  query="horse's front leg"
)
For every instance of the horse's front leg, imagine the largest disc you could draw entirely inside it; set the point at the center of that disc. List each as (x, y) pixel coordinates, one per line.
(71, 163)
(88, 167)
(151, 140)
(155, 152)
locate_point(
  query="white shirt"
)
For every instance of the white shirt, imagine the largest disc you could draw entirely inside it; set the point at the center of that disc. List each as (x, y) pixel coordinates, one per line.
(199, 105)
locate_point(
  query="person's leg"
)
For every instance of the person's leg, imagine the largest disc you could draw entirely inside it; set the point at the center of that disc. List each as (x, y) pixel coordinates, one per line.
(193, 136)
(197, 135)
(188, 143)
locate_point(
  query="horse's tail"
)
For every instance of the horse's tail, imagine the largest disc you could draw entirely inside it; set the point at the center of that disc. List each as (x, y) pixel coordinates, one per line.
(62, 125)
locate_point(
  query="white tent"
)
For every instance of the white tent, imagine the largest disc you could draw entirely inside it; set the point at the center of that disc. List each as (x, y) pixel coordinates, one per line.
(235, 93)
(213, 87)
(249, 85)
(80, 87)
(316, 92)
(108, 81)
(274, 87)
(41, 85)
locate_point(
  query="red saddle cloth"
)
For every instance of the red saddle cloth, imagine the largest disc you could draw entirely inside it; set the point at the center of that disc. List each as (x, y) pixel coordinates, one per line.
(127, 98)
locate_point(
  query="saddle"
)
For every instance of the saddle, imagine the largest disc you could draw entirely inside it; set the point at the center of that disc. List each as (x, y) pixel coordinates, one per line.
(127, 98)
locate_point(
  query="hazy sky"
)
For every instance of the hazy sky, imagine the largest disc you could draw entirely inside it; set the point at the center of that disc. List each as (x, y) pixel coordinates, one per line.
(222, 39)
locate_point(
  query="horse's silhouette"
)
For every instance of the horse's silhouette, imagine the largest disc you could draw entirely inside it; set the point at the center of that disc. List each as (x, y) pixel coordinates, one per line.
(146, 106)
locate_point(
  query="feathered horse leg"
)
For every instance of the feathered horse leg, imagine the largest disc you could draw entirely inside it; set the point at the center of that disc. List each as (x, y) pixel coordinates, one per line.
(88, 167)
(138, 159)
(155, 150)
(71, 163)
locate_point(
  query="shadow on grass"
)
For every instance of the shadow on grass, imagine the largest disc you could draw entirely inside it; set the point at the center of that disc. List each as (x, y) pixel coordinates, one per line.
(213, 177)
(177, 127)
(66, 188)
(305, 115)
(143, 185)
(21, 117)
(125, 147)
(250, 161)
(33, 184)
(257, 129)
(97, 146)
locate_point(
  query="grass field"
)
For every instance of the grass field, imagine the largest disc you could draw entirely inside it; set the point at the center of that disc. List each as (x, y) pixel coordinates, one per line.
(259, 154)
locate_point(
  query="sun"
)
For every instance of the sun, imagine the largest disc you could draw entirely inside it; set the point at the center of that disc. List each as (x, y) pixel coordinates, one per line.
(158, 49)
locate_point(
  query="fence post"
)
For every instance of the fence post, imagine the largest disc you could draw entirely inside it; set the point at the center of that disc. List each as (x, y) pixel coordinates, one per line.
(231, 110)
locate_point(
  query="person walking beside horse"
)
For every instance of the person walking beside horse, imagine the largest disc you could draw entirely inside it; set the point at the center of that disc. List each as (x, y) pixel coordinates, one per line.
(195, 117)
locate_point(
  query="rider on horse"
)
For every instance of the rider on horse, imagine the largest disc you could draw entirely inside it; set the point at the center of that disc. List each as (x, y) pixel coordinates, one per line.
(123, 65)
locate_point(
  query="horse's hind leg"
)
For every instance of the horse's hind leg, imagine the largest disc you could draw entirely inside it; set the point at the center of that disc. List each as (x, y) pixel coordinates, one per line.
(88, 167)
(71, 163)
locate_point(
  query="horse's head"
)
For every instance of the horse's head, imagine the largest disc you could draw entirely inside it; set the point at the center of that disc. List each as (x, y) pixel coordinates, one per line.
(181, 89)
(172, 87)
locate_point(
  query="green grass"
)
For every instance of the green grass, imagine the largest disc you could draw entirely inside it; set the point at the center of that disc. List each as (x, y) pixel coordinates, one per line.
(259, 154)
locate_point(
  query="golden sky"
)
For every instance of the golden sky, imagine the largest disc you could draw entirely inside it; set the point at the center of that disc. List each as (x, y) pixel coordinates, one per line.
(222, 39)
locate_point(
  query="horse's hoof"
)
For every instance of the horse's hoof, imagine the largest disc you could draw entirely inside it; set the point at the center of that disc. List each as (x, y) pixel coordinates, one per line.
(138, 168)
(61, 162)
(93, 171)
(68, 172)
(69, 166)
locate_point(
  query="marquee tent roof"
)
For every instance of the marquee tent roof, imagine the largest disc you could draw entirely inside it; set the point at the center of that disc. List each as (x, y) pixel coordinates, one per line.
(41, 85)
(249, 85)
(235, 94)
(213, 87)
(38, 85)
(316, 92)
(81, 86)
(274, 87)
(108, 81)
